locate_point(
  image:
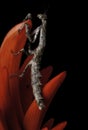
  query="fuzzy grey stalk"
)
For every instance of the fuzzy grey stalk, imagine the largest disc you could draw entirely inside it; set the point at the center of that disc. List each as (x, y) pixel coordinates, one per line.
(35, 62)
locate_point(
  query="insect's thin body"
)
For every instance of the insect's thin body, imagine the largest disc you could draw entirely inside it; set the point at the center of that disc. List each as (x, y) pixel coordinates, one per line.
(36, 60)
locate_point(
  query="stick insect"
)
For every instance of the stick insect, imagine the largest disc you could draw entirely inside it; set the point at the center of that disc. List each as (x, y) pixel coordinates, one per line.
(37, 52)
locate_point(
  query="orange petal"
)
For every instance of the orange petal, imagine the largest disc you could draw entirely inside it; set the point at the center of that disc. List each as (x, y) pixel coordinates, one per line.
(7, 107)
(4, 89)
(60, 126)
(15, 96)
(14, 41)
(26, 92)
(34, 117)
(49, 124)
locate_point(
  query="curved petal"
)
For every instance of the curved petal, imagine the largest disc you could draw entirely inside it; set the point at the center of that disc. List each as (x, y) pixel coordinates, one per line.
(7, 108)
(15, 96)
(49, 124)
(13, 41)
(4, 89)
(33, 117)
(60, 126)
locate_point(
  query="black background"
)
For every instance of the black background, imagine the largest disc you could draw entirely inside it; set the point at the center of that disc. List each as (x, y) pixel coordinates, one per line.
(65, 50)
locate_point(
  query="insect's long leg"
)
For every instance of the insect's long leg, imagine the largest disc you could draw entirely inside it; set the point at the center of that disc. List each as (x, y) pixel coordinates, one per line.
(25, 69)
(22, 74)
(28, 33)
(34, 33)
(29, 63)
(42, 40)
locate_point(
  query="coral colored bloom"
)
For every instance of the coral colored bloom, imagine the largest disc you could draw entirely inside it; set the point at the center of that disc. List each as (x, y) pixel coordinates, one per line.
(18, 109)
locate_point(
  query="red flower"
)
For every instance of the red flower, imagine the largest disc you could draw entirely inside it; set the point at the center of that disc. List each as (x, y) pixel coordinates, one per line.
(18, 109)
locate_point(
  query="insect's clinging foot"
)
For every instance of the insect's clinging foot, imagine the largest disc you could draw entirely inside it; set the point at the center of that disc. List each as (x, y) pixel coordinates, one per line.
(41, 104)
(17, 53)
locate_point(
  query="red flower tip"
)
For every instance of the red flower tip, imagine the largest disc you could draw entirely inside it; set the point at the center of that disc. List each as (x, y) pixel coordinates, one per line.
(49, 123)
(60, 126)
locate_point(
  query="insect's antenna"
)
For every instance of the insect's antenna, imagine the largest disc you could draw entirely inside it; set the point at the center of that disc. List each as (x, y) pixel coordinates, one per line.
(46, 10)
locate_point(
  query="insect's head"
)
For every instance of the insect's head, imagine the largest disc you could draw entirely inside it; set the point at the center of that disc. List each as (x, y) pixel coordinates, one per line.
(42, 16)
(28, 16)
